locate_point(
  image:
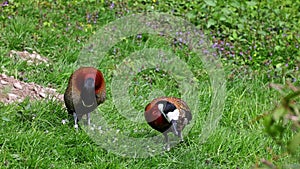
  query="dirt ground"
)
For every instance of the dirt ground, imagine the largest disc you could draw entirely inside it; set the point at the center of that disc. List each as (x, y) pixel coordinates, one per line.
(13, 90)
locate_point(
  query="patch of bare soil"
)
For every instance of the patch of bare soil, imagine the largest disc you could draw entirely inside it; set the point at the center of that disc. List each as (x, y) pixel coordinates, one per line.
(30, 58)
(13, 90)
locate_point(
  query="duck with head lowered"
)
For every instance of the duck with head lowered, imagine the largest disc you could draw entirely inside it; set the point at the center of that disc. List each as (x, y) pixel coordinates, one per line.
(168, 114)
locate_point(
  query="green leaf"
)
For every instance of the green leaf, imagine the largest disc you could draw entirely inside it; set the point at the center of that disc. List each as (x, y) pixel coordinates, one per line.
(210, 23)
(190, 15)
(294, 144)
(226, 11)
(267, 121)
(251, 3)
(5, 119)
(279, 113)
(235, 4)
(222, 18)
(261, 32)
(210, 2)
(277, 47)
(234, 34)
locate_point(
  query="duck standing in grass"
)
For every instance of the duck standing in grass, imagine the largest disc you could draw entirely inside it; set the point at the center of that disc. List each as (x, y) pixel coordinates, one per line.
(168, 114)
(85, 92)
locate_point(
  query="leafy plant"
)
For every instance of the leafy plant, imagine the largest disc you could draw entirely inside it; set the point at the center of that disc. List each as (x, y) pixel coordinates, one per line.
(283, 123)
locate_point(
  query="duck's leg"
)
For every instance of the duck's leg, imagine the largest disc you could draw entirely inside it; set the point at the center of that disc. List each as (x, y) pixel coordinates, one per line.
(167, 141)
(75, 121)
(88, 119)
(180, 136)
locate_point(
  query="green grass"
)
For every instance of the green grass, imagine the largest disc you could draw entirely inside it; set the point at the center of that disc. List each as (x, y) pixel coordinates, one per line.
(33, 135)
